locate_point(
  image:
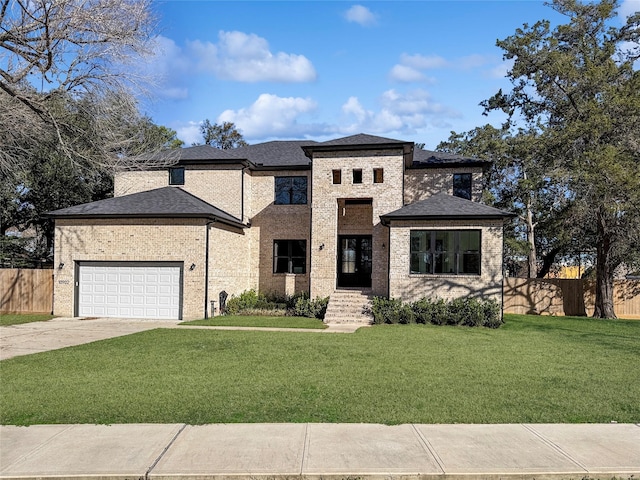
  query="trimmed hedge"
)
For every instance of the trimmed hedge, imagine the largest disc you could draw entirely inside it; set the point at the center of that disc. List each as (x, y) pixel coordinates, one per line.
(254, 303)
(470, 312)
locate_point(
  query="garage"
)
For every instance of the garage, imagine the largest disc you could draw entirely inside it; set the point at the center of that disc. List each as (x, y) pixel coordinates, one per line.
(129, 290)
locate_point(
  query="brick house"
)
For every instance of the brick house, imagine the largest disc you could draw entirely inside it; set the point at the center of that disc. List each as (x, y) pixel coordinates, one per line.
(360, 213)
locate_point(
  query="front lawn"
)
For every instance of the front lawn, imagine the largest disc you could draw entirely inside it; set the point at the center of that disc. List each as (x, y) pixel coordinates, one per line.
(532, 369)
(259, 321)
(7, 319)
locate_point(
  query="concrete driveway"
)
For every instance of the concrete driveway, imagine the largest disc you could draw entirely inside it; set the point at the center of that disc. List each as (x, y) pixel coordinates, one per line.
(36, 337)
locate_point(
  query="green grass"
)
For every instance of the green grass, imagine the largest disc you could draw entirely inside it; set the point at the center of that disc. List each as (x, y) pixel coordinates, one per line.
(7, 319)
(259, 321)
(533, 369)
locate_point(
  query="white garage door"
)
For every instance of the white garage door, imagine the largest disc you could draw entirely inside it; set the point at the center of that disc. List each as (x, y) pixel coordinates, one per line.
(129, 291)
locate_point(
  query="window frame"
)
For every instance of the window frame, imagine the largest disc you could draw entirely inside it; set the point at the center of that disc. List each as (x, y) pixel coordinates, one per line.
(289, 245)
(180, 180)
(434, 258)
(356, 176)
(336, 176)
(468, 189)
(378, 175)
(291, 191)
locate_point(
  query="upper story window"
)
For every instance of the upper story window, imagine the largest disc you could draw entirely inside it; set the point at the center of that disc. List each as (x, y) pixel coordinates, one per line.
(378, 175)
(291, 190)
(176, 176)
(289, 256)
(462, 185)
(452, 252)
(337, 176)
(357, 176)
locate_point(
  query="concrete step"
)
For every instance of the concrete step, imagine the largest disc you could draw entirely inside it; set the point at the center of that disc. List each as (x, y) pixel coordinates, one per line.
(346, 307)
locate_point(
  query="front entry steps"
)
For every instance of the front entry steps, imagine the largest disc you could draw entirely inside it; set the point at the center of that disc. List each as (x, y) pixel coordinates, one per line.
(348, 306)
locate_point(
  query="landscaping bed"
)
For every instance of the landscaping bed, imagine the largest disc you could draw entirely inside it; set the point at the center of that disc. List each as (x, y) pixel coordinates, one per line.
(258, 321)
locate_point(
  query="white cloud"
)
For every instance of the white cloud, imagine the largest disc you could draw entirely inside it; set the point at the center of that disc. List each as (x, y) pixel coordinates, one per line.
(406, 74)
(501, 70)
(410, 68)
(361, 15)
(189, 133)
(246, 58)
(271, 116)
(168, 65)
(400, 112)
(628, 8)
(422, 62)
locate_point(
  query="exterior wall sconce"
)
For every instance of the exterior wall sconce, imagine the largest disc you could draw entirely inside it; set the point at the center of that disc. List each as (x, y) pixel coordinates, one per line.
(61, 266)
(322, 246)
(192, 267)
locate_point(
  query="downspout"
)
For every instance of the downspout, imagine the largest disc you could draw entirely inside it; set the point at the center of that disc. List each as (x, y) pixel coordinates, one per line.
(206, 270)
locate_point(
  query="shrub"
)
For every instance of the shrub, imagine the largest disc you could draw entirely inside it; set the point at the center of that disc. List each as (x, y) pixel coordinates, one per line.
(249, 300)
(492, 314)
(305, 307)
(430, 311)
(470, 312)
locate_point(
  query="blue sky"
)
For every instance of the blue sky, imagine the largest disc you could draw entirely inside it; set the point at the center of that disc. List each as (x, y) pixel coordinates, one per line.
(411, 70)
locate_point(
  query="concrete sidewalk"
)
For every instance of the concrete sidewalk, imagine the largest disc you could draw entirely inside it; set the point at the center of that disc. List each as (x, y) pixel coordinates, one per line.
(252, 451)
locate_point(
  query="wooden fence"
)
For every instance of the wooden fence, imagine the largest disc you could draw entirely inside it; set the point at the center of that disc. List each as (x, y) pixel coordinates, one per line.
(556, 296)
(26, 291)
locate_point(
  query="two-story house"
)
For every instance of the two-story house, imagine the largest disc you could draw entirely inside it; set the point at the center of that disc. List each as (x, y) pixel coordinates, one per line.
(360, 212)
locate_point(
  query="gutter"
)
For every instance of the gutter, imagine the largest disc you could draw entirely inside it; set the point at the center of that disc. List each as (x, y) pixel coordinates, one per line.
(206, 270)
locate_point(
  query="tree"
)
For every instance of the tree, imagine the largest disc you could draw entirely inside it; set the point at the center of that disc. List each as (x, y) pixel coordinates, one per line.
(84, 50)
(223, 136)
(521, 181)
(578, 83)
(49, 180)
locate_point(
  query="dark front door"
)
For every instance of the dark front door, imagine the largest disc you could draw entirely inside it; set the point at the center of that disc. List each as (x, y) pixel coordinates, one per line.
(354, 261)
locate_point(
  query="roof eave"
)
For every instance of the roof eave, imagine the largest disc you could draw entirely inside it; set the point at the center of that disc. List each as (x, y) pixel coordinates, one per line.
(267, 168)
(407, 147)
(386, 219)
(215, 218)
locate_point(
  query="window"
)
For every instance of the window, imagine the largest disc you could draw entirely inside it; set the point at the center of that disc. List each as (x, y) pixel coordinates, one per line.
(176, 176)
(451, 252)
(357, 176)
(337, 176)
(378, 175)
(462, 185)
(291, 190)
(289, 256)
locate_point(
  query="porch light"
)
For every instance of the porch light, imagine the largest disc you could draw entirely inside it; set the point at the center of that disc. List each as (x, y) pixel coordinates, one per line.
(192, 267)
(61, 266)
(322, 246)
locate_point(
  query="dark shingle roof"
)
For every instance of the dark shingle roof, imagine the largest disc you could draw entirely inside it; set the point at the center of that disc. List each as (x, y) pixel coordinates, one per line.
(360, 139)
(431, 159)
(165, 202)
(276, 154)
(442, 206)
(296, 153)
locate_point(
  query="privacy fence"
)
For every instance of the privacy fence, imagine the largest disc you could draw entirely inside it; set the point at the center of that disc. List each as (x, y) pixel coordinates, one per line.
(567, 297)
(26, 291)
(31, 291)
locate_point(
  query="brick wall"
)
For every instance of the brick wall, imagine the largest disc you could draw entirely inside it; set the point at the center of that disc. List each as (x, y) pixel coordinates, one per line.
(421, 183)
(386, 197)
(271, 222)
(411, 287)
(220, 186)
(155, 240)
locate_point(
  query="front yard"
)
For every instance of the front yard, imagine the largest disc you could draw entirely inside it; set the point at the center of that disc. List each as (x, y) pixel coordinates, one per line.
(532, 369)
